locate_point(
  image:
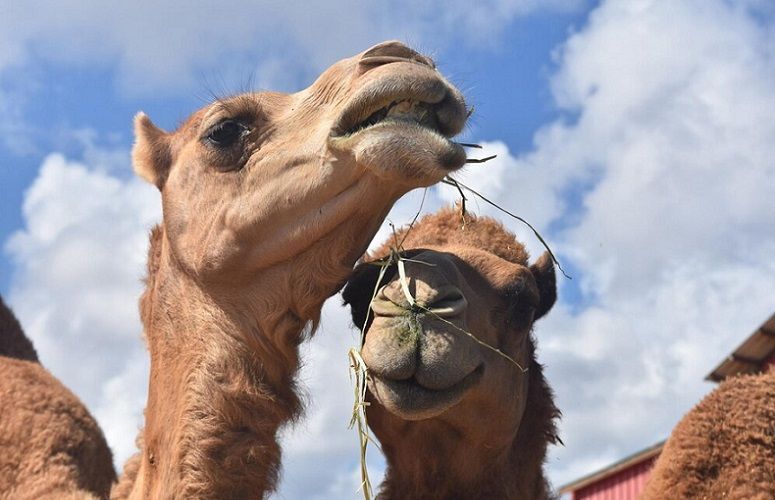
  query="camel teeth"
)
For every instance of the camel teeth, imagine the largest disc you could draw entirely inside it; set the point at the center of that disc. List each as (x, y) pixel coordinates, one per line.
(405, 108)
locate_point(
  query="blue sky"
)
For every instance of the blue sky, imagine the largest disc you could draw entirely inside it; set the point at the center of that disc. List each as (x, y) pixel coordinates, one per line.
(636, 135)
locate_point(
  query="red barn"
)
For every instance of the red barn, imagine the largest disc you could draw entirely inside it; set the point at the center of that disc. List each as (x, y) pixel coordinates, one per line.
(625, 479)
(621, 481)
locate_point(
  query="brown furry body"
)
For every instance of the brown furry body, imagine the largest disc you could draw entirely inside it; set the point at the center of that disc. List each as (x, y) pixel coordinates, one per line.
(724, 447)
(491, 443)
(50, 446)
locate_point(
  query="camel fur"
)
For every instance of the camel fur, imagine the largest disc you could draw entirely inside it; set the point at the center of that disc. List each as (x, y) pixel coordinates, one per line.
(50, 446)
(724, 447)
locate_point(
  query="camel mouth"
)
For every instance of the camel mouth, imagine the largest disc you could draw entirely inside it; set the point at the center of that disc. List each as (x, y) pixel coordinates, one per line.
(399, 112)
(410, 400)
(399, 125)
(415, 97)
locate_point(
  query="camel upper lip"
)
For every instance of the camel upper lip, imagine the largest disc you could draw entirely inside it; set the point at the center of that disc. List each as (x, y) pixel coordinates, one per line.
(428, 97)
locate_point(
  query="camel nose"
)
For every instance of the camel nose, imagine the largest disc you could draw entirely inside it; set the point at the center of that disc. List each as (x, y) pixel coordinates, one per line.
(389, 52)
(395, 298)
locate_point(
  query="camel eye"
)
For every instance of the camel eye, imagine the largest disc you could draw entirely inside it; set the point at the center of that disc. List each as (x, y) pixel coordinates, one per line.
(226, 133)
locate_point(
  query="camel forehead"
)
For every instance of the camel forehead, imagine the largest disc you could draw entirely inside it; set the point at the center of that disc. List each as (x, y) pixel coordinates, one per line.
(469, 261)
(447, 228)
(329, 82)
(248, 103)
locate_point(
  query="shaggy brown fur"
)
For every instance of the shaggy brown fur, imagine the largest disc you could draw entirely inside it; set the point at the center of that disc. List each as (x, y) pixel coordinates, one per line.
(485, 446)
(724, 447)
(14, 343)
(50, 446)
(268, 200)
(447, 228)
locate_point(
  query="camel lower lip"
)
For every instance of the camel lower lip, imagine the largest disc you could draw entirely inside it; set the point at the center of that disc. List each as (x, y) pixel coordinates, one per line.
(421, 148)
(411, 401)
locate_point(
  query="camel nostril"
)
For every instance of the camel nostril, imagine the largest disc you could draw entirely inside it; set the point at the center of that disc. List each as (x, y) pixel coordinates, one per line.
(447, 303)
(444, 301)
(383, 305)
(393, 51)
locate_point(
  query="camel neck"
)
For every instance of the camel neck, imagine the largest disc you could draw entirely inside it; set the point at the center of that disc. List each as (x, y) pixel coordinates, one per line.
(454, 468)
(221, 385)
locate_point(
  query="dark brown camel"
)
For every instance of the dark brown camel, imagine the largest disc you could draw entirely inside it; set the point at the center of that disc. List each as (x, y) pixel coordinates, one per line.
(456, 419)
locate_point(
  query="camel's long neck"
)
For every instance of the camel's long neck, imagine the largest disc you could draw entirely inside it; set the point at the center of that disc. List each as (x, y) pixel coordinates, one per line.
(452, 465)
(221, 384)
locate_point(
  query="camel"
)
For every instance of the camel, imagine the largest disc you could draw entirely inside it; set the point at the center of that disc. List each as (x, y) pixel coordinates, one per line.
(50, 446)
(268, 201)
(724, 447)
(456, 419)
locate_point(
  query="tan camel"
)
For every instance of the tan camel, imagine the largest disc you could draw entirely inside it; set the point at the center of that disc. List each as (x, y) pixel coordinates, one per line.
(724, 447)
(268, 201)
(50, 446)
(456, 419)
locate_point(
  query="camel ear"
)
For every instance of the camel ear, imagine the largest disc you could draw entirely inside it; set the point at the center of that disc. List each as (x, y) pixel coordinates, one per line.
(543, 271)
(151, 155)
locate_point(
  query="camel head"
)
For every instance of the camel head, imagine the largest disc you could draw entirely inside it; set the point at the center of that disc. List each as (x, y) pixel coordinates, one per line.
(424, 369)
(260, 178)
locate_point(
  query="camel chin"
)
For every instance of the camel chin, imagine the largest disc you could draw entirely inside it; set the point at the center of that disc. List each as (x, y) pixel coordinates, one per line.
(410, 400)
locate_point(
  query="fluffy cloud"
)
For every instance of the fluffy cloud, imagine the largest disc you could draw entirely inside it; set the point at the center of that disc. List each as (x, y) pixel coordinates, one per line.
(79, 262)
(161, 45)
(657, 186)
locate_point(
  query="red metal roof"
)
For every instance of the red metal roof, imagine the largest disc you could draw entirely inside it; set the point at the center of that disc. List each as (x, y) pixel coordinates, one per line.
(624, 480)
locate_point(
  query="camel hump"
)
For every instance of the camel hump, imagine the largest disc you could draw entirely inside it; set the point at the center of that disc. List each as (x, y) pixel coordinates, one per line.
(13, 342)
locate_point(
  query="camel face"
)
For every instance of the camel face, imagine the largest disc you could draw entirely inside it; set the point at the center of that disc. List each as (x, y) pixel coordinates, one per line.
(421, 363)
(253, 180)
(455, 418)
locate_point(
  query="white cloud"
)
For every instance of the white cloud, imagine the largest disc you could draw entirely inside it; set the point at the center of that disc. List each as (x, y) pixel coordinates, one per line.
(668, 145)
(79, 262)
(170, 44)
